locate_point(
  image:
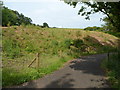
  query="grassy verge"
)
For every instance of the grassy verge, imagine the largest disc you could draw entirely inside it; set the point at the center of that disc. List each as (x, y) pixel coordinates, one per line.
(12, 76)
(56, 46)
(112, 68)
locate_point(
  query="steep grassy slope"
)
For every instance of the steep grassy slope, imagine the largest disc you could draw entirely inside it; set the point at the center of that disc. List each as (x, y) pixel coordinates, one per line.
(56, 46)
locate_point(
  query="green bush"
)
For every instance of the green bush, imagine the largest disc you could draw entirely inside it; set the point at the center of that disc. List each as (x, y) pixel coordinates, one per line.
(94, 28)
(68, 43)
(78, 43)
(117, 34)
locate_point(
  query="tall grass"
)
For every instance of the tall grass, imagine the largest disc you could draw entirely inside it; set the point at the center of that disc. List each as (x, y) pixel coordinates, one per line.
(56, 46)
(112, 67)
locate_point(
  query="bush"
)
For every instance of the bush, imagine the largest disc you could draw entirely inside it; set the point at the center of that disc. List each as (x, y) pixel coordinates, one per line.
(94, 28)
(68, 43)
(78, 43)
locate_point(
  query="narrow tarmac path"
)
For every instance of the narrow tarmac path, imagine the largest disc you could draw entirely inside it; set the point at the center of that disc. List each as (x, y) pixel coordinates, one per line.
(84, 72)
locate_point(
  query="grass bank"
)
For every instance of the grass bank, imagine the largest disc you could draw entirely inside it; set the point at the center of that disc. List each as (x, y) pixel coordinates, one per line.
(112, 68)
(55, 45)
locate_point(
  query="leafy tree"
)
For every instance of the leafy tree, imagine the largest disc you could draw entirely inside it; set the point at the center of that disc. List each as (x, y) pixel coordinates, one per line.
(110, 9)
(8, 17)
(108, 25)
(45, 25)
(11, 17)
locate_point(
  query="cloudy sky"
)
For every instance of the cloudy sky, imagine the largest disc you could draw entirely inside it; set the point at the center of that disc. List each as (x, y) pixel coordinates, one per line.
(55, 12)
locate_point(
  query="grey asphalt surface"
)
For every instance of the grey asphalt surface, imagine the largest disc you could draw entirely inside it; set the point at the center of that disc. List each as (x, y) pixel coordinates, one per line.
(84, 72)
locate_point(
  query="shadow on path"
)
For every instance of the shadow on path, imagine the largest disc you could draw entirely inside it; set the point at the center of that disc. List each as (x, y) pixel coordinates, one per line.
(62, 82)
(90, 65)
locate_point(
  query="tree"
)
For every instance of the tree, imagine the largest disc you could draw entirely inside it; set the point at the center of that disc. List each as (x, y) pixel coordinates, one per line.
(45, 25)
(110, 9)
(8, 17)
(11, 17)
(108, 25)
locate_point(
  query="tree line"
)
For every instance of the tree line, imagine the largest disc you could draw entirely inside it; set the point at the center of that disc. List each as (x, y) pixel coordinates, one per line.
(11, 17)
(14, 18)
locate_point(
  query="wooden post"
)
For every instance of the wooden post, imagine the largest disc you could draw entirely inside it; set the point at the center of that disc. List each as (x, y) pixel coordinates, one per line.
(31, 62)
(108, 56)
(37, 61)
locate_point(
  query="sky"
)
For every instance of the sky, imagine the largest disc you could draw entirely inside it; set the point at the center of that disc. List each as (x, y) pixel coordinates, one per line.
(54, 12)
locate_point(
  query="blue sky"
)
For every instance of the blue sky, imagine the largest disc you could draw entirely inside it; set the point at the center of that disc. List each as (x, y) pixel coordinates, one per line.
(55, 13)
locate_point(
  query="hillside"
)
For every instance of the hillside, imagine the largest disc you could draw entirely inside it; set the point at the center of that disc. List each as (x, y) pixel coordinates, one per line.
(55, 45)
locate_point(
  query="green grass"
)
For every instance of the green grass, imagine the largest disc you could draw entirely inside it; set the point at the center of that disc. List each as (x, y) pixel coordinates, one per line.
(55, 45)
(13, 77)
(112, 68)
